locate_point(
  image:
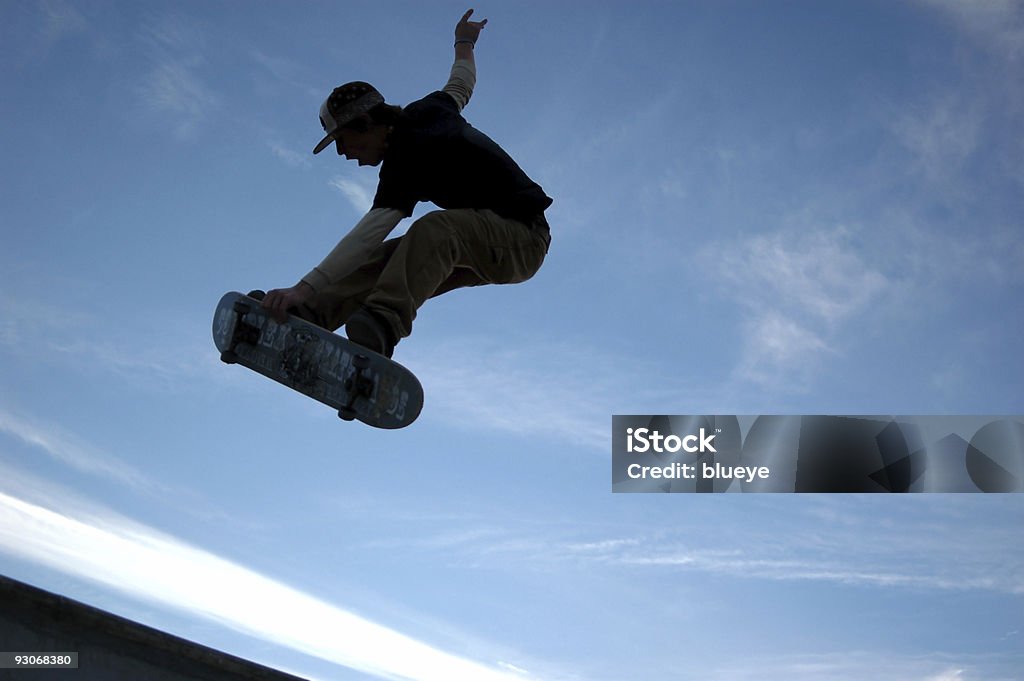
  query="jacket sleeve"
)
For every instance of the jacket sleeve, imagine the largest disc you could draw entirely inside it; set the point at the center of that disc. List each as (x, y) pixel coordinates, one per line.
(355, 248)
(461, 82)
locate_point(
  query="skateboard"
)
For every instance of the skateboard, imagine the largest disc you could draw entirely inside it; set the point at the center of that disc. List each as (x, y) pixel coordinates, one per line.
(359, 383)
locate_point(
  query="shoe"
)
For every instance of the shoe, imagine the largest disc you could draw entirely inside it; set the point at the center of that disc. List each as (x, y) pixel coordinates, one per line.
(368, 330)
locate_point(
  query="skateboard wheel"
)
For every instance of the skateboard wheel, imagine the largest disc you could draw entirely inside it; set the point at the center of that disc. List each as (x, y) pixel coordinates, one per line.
(240, 307)
(346, 414)
(361, 361)
(229, 357)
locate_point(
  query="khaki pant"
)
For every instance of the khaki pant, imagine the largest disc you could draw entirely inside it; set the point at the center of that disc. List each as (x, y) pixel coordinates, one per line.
(442, 251)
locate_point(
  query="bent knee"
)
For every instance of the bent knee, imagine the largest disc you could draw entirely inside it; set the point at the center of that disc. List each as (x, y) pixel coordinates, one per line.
(436, 225)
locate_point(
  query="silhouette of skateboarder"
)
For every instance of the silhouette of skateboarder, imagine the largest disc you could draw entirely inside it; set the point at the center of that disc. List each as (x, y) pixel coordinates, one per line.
(490, 227)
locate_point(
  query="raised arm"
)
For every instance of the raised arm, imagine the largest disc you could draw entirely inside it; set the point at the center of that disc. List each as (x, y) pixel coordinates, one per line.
(466, 34)
(350, 253)
(463, 77)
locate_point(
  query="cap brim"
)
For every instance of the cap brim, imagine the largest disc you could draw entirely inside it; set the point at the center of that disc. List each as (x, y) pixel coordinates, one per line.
(324, 143)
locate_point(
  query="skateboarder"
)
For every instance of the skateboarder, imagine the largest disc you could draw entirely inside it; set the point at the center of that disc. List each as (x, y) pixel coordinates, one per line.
(490, 228)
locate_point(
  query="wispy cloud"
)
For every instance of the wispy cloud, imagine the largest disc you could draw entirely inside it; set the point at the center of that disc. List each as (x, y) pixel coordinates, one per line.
(68, 449)
(779, 350)
(60, 20)
(976, 111)
(175, 91)
(820, 565)
(840, 543)
(940, 136)
(78, 456)
(856, 665)
(797, 288)
(816, 272)
(996, 25)
(905, 556)
(143, 563)
(24, 321)
(359, 194)
(291, 157)
(815, 570)
(164, 355)
(173, 88)
(282, 70)
(535, 388)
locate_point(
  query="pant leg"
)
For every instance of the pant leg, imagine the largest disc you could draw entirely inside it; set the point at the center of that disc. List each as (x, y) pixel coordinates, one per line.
(449, 249)
(335, 303)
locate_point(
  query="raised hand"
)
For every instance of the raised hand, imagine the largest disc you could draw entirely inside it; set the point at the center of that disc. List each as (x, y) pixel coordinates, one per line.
(469, 30)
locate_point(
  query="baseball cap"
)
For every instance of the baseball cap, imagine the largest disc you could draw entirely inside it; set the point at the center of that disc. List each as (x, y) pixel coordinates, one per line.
(345, 103)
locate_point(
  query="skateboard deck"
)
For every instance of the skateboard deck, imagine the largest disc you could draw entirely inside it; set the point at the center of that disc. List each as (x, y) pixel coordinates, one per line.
(359, 383)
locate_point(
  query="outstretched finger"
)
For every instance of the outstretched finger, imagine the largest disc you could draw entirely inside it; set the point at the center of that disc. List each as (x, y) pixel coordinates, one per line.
(466, 16)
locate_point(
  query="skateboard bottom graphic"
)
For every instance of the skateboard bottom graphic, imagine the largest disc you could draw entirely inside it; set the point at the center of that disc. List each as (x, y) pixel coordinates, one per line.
(357, 382)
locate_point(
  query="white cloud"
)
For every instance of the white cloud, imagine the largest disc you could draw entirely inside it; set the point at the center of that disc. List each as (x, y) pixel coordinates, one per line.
(536, 388)
(173, 89)
(839, 542)
(513, 668)
(856, 665)
(906, 556)
(947, 675)
(23, 321)
(805, 570)
(61, 20)
(291, 157)
(359, 194)
(284, 70)
(143, 563)
(815, 272)
(778, 350)
(797, 288)
(996, 25)
(68, 449)
(975, 113)
(941, 135)
(69, 337)
(281, 68)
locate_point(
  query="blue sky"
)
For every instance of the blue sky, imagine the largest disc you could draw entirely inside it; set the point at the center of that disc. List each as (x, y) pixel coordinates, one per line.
(760, 208)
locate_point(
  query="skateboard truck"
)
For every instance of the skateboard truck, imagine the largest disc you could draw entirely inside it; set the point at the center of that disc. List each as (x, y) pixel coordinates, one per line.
(358, 384)
(242, 333)
(296, 360)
